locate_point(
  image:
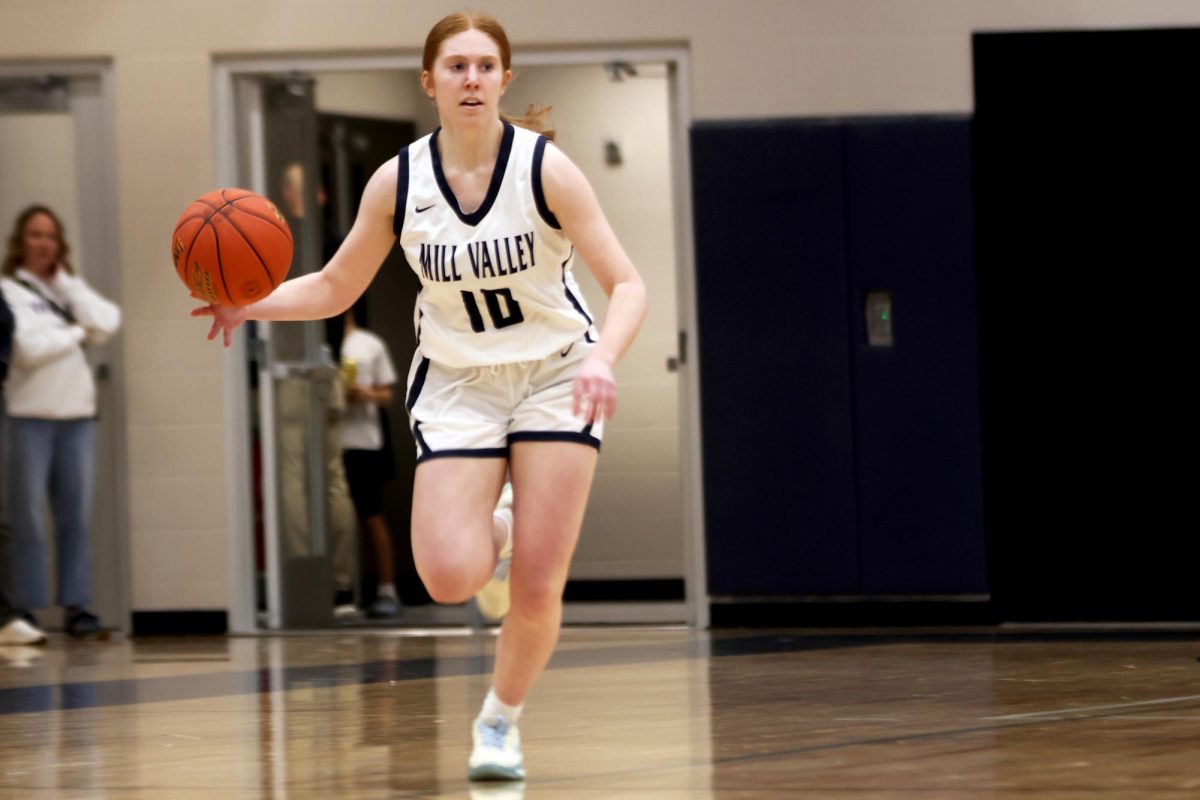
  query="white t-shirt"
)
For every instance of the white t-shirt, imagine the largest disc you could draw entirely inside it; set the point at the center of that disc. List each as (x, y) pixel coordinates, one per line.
(361, 429)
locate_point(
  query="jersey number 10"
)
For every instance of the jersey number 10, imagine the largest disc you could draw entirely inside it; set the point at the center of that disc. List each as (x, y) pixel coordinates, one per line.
(501, 317)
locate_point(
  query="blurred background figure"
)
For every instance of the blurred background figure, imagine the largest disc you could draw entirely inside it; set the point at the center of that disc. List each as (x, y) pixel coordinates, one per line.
(293, 419)
(369, 375)
(50, 395)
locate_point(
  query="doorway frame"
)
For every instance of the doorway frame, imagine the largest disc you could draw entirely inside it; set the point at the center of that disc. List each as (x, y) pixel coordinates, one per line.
(100, 221)
(239, 513)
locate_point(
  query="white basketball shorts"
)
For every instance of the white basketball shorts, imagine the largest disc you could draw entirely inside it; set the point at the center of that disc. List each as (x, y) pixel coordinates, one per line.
(477, 412)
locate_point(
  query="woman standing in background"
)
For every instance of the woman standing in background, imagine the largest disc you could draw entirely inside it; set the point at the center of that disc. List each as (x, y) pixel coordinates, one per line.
(51, 405)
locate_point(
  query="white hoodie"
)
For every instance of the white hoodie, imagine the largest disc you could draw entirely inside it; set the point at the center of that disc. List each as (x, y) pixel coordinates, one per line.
(49, 377)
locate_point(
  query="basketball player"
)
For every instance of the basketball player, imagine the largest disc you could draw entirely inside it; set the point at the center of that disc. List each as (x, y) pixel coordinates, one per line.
(510, 372)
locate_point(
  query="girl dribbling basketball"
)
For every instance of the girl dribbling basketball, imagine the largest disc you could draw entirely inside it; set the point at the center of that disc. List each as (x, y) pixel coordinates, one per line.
(510, 374)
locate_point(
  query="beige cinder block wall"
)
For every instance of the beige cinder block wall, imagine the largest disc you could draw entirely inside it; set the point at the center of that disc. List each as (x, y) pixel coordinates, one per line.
(753, 58)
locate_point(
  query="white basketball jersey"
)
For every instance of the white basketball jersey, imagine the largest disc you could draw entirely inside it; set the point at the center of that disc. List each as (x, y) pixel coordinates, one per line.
(496, 284)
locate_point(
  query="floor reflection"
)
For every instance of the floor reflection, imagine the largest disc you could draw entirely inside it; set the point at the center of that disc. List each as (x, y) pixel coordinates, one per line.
(645, 713)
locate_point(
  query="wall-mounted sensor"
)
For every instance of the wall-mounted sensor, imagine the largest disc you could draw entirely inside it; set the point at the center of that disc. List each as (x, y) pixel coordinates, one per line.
(879, 318)
(612, 153)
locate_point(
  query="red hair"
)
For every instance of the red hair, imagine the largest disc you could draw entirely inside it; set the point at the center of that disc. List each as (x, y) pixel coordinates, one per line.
(535, 118)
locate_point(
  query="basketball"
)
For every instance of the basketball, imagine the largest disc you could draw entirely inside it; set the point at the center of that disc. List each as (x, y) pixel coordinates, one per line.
(231, 247)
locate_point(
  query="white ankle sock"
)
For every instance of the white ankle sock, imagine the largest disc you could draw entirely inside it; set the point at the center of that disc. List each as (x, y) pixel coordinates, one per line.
(492, 708)
(386, 590)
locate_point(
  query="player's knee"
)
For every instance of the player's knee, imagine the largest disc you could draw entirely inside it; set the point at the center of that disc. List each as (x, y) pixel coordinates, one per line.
(451, 580)
(536, 595)
(447, 588)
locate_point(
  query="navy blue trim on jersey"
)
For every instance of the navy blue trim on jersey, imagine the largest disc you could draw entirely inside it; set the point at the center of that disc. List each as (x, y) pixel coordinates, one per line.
(539, 196)
(401, 191)
(486, 452)
(587, 335)
(578, 437)
(417, 384)
(476, 216)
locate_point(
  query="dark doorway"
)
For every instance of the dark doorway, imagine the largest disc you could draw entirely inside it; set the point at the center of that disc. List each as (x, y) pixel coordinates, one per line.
(1086, 175)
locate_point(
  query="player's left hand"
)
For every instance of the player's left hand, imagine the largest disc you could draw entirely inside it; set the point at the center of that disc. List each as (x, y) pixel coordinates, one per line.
(595, 391)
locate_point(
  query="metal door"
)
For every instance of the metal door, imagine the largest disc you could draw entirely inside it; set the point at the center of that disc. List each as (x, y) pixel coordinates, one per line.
(296, 383)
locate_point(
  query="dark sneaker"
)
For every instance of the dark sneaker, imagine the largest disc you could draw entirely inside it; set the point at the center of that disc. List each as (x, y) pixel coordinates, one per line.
(81, 624)
(384, 607)
(344, 609)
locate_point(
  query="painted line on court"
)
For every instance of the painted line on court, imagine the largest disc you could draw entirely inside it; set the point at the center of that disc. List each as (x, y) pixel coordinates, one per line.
(1088, 709)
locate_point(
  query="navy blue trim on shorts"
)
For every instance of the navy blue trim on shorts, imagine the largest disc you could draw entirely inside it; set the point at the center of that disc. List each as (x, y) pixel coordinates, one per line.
(486, 452)
(555, 436)
(539, 196)
(401, 191)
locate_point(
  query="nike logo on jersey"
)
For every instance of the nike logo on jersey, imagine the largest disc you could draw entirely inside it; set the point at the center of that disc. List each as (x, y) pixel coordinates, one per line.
(426, 208)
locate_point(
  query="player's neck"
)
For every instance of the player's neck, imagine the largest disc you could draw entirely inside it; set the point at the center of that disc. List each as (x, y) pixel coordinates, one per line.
(470, 148)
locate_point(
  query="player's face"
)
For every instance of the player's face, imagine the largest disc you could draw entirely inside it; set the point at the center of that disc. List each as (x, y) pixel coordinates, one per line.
(41, 244)
(467, 79)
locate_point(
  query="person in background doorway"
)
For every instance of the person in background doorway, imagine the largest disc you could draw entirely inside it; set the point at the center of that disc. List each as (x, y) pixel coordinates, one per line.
(369, 376)
(294, 414)
(50, 395)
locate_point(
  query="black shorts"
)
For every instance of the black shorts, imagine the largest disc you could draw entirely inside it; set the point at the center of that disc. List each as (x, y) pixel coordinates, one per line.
(365, 470)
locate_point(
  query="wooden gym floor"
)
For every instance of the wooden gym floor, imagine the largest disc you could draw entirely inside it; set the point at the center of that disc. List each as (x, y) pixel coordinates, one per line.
(621, 713)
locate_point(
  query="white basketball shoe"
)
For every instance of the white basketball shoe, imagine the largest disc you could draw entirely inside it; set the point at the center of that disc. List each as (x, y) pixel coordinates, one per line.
(496, 755)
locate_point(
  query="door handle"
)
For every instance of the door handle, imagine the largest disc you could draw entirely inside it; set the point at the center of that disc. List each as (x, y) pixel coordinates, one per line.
(680, 358)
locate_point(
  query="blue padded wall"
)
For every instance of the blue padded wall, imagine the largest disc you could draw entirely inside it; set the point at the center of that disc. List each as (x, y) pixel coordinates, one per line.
(832, 467)
(774, 358)
(918, 462)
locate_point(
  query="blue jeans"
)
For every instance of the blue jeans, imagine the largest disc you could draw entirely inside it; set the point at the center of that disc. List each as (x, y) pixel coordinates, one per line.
(54, 458)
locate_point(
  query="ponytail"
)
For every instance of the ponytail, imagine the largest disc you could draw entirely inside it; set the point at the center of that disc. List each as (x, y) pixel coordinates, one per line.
(536, 119)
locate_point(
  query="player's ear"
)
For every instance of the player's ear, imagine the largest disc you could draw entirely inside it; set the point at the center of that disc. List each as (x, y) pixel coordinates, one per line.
(427, 83)
(508, 76)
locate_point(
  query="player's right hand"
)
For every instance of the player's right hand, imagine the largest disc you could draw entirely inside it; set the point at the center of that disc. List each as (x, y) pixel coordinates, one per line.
(225, 318)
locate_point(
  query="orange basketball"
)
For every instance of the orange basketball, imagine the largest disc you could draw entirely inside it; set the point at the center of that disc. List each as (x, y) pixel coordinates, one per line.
(231, 247)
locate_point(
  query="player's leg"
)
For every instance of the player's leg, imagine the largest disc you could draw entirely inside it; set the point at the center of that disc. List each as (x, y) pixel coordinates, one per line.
(551, 481)
(454, 538)
(459, 419)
